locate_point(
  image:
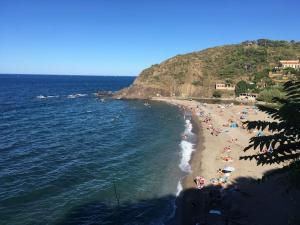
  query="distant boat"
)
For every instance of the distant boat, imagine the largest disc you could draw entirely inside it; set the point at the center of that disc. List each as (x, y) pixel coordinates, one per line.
(102, 100)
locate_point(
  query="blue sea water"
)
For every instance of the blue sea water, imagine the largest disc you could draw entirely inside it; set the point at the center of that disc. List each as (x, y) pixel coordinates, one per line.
(84, 161)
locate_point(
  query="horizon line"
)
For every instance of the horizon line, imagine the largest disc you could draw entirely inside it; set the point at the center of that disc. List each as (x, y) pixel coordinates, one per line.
(46, 74)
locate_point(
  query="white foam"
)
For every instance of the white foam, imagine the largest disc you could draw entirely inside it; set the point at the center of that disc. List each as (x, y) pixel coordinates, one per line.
(82, 95)
(77, 95)
(188, 127)
(41, 97)
(187, 149)
(179, 188)
(71, 96)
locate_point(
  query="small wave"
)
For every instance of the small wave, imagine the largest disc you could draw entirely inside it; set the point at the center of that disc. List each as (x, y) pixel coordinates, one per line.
(41, 97)
(179, 188)
(174, 206)
(48, 96)
(77, 95)
(188, 127)
(187, 149)
(82, 95)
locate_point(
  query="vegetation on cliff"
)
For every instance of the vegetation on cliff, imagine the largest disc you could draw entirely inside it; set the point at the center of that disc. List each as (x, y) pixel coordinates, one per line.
(195, 74)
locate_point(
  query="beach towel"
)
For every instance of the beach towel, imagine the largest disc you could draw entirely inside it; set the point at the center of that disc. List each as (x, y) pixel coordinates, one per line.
(233, 125)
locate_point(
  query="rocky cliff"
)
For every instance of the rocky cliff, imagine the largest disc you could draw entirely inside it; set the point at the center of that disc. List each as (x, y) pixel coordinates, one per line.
(195, 74)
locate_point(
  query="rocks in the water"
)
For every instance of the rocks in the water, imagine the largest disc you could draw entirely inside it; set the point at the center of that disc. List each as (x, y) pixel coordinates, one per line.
(104, 93)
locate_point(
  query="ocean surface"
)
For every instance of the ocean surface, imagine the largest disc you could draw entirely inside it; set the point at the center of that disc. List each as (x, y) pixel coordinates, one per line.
(67, 157)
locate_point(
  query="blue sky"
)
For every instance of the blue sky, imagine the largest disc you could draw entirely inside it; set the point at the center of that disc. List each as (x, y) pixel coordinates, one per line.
(122, 37)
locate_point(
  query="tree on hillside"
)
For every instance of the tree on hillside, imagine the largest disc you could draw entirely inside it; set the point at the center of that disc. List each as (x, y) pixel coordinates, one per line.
(289, 70)
(217, 94)
(268, 94)
(241, 87)
(283, 142)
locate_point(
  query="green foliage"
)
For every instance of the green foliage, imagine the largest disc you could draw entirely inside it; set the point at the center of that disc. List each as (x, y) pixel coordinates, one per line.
(284, 137)
(268, 81)
(252, 87)
(241, 87)
(179, 77)
(271, 43)
(268, 94)
(289, 70)
(217, 94)
(261, 75)
(229, 81)
(248, 58)
(243, 61)
(197, 83)
(247, 61)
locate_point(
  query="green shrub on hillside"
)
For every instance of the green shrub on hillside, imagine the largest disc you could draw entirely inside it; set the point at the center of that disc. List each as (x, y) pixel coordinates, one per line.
(241, 87)
(179, 77)
(249, 61)
(271, 43)
(258, 76)
(217, 94)
(197, 82)
(268, 94)
(289, 70)
(248, 58)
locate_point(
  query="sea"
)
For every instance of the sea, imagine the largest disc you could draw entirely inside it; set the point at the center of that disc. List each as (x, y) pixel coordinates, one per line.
(69, 157)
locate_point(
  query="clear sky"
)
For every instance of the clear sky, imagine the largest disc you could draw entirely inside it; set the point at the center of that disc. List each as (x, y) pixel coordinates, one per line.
(121, 37)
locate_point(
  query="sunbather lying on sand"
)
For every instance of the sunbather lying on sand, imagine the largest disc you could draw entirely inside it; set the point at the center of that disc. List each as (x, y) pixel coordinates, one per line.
(200, 182)
(227, 149)
(227, 159)
(233, 140)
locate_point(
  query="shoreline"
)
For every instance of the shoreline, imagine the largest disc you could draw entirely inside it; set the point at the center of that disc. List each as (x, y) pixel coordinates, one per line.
(244, 188)
(182, 211)
(206, 158)
(197, 130)
(196, 156)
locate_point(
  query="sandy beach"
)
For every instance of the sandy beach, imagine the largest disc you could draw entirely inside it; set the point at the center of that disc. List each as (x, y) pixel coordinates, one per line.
(244, 194)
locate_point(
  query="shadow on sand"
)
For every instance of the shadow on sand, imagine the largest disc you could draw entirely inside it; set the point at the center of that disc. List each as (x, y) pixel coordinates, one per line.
(245, 201)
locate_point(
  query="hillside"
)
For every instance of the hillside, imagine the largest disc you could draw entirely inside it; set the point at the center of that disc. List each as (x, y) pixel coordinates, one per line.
(195, 74)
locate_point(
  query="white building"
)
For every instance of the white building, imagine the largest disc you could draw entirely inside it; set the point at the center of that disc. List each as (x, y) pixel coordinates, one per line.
(290, 63)
(222, 86)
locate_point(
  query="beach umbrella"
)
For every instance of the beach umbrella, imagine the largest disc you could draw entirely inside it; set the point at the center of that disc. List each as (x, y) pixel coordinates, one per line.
(228, 168)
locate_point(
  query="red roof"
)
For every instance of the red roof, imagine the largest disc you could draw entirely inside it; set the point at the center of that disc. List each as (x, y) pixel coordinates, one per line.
(289, 61)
